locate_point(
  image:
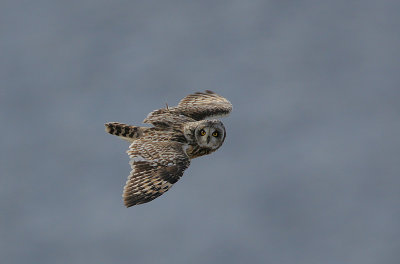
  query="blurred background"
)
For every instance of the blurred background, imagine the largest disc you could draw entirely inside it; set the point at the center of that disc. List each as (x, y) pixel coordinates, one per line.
(309, 172)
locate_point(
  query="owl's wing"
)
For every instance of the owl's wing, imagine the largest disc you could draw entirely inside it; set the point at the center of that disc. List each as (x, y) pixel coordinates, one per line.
(193, 107)
(156, 166)
(165, 117)
(203, 105)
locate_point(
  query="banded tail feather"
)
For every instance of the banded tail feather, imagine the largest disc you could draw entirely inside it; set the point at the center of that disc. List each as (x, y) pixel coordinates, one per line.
(124, 131)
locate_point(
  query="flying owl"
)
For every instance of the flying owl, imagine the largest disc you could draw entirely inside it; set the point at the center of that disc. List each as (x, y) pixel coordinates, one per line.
(160, 154)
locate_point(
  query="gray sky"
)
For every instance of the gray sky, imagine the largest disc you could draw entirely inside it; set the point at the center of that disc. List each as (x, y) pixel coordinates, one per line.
(309, 172)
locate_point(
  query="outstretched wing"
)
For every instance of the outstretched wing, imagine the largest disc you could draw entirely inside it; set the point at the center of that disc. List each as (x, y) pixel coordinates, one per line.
(204, 105)
(193, 107)
(166, 118)
(156, 166)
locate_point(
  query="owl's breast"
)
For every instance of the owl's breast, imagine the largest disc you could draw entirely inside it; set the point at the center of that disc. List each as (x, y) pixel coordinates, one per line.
(194, 151)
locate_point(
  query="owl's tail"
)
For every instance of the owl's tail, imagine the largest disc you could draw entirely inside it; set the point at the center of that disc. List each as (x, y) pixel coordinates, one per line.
(127, 132)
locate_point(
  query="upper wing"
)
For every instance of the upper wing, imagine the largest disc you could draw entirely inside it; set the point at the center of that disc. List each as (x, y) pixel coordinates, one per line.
(193, 107)
(166, 117)
(156, 166)
(204, 105)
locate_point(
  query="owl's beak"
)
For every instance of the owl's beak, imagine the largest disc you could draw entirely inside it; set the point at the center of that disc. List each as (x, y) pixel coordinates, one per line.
(208, 139)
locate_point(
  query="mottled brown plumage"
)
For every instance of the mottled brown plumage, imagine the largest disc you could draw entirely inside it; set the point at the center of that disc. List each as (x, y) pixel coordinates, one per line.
(124, 131)
(160, 154)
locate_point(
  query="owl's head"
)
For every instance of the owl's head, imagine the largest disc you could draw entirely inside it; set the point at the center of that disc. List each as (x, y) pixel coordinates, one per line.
(210, 133)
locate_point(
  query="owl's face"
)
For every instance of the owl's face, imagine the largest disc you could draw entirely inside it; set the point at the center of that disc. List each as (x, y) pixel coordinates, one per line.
(210, 134)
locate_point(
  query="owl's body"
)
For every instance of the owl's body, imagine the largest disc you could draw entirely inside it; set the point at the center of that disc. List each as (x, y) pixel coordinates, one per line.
(160, 154)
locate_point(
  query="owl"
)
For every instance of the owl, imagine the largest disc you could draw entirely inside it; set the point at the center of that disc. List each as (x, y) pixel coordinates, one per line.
(160, 154)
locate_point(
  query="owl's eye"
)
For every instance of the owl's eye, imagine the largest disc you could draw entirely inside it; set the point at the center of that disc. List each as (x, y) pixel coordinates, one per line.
(215, 134)
(202, 132)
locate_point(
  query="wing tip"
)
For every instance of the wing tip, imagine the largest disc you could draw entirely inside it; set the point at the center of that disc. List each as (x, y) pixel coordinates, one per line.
(130, 200)
(129, 204)
(205, 92)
